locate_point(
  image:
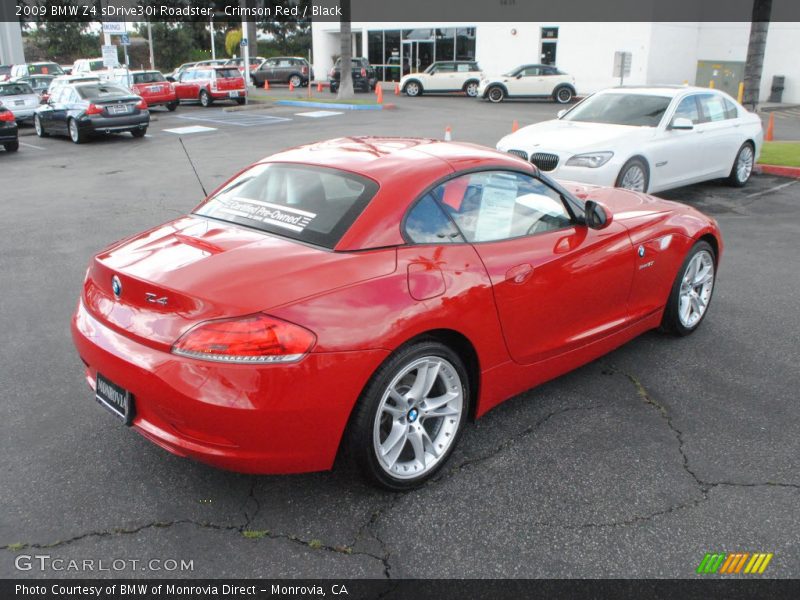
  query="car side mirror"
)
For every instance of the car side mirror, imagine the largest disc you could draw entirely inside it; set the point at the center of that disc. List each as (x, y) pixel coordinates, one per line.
(561, 113)
(170, 78)
(681, 123)
(519, 76)
(596, 216)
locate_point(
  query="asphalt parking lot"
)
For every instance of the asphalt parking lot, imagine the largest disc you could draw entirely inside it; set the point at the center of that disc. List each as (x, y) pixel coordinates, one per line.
(635, 465)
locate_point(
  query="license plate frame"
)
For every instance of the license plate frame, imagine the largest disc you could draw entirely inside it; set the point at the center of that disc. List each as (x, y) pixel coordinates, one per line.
(116, 399)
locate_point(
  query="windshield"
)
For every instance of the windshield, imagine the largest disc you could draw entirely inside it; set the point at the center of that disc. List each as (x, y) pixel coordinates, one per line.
(307, 203)
(151, 77)
(15, 89)
(45, 69)
(100, 92)
(638, 110)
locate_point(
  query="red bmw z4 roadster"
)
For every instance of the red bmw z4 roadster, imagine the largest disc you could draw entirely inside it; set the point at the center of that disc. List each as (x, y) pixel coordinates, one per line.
(375, 294)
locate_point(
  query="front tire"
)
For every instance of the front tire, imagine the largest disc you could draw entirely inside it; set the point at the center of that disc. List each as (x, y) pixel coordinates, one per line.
(413, 89)
(205, 99)
(496, 94)
(563, 94)
(39, 126)
(410, 416)
(75, 133)
(691, 292)
(634, 175)
(743, 166)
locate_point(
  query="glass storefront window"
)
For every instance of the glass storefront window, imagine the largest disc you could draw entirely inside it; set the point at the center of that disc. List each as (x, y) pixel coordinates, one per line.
(391, 40)
(465, 43)
(445, 44)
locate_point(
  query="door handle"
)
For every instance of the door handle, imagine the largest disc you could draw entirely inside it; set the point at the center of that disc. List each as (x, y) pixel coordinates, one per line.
(519, 274)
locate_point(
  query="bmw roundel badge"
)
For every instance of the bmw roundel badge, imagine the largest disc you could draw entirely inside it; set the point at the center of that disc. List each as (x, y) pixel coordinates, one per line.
(116, 286)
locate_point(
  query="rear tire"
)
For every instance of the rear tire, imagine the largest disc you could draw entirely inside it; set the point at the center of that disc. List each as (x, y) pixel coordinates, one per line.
(495, 94)
(296, 81)
(205, 99)
(742, 167)
(563, 94)
(240, 101)
(471, 89)
(412, 89)
(75, 133)
(172, 106)
(11, 146)
(139, 133)
(425, 422)
(691, 292)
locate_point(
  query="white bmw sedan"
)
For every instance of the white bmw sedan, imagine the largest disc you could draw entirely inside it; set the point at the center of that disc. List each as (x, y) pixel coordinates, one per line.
(645, 138)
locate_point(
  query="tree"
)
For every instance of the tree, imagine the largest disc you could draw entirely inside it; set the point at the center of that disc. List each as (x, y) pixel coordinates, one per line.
(232, 41)
(172, 43)
(346, 77)
(756, 46)
(291, 34)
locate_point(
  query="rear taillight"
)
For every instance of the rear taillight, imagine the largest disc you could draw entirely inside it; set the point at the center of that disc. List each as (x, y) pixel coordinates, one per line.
(214, 85)
(304, 70)
(255, 338)
(363, 72)
(6, 115)
(141, 105)
(93, 109)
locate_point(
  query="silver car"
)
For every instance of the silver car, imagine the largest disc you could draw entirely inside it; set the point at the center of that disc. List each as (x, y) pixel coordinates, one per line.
(19, 98)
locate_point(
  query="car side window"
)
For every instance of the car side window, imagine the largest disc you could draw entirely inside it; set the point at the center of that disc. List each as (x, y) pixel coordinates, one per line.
(531, 72)
(498, 205)
(426, 223)
(731, 112)
(445, 68)
(687, 109)
(713, 107)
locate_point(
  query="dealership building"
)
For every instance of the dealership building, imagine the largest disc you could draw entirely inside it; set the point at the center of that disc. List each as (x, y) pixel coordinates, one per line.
(693, 52)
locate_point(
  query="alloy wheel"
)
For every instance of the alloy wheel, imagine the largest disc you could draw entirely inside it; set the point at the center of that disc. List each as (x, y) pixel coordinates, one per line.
(496, 94)
(37, 124)
(744, 164)
(696, 287)
(74, 134)
(472, 89)
(564, 95)
(418, 417)
(295, 81)
(412, 89)
(633, 179)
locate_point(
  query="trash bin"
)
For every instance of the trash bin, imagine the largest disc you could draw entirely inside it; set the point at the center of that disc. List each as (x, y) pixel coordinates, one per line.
(776, 92)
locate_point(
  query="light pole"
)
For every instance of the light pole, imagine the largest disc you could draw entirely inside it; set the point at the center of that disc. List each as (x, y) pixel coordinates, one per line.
(246, 53)
(213, 45)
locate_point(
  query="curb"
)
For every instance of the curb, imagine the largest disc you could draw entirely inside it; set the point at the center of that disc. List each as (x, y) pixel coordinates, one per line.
(769, 109)
(334, 106)
(252, 105)
(780, 171)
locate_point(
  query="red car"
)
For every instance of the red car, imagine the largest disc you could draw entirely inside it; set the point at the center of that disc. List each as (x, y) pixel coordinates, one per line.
(154, 88)
(376, 293)
(208, 84)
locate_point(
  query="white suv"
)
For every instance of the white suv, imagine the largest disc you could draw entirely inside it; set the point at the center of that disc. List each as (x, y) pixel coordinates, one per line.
(529, 81)
(444, 76)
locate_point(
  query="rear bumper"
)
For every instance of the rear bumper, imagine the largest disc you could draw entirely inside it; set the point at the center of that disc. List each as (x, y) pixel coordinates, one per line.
(100, 124)
(24, 114)
(9, 133)
(160, 99)
(224, 94)
(246, 418)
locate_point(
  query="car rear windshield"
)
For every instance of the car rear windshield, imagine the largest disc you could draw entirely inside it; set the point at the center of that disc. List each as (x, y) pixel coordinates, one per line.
(228, 73)
(15, 89)
(153, 77)
(99, 91)
(96, 65)
(641, 110)
(302, 202)
(5, 70)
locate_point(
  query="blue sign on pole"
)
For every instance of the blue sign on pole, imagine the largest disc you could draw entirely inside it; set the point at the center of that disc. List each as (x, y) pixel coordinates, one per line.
(124, 40)
(244, 43)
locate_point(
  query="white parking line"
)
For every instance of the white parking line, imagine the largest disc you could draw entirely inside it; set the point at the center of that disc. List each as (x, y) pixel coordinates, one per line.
(772, 189)
(239, 120)
(318, 114)
(31, 146)
(191, 129)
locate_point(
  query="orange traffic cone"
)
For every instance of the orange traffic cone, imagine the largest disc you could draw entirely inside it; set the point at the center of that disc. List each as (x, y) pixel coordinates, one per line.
(266, 84)
(770, 128)
(291, 87)
(514, 126)
(448, 134)
(396, 89)
(319, 86)
(380, 94)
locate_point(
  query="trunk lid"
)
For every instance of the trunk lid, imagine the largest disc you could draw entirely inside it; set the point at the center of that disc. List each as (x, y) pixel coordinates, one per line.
(195, 269)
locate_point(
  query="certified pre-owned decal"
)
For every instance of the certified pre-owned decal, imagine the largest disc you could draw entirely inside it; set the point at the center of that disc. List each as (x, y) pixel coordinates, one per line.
(266, 212)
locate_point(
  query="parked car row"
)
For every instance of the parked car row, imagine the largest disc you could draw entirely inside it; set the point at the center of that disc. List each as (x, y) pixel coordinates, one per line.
(526, 81)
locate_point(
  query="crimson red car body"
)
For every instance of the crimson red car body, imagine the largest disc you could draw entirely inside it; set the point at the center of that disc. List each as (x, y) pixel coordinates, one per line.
(154, 88)
(365, 298)
(214, 83)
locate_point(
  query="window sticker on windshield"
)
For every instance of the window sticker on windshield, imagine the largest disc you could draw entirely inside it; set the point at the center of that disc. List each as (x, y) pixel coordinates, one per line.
(496, 213)
(266, 212)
